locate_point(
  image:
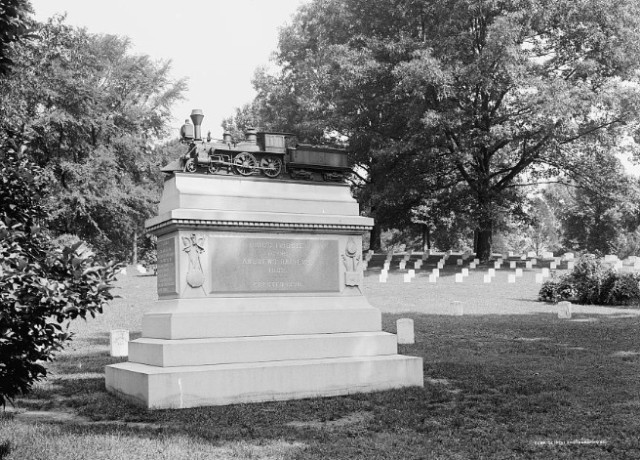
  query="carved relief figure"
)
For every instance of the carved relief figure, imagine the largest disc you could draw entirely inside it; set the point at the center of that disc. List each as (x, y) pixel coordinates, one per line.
(351, 259)
(194, 246)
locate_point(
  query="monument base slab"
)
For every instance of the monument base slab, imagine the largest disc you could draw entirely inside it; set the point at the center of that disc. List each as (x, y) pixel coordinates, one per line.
(157, 387)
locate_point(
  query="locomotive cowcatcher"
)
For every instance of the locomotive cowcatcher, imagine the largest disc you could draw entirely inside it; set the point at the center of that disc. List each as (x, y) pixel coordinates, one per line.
(271, 154)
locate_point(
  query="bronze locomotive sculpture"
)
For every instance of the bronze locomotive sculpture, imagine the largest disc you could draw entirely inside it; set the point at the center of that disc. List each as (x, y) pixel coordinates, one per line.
(265, 153)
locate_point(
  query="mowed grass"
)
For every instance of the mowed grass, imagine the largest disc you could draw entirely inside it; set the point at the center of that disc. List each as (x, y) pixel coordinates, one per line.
(497, 386)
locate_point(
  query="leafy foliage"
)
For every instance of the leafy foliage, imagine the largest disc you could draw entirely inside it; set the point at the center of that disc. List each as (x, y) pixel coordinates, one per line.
(592, 282)
(461, 95)
(91, 113)
(41, 286)
(14, 25)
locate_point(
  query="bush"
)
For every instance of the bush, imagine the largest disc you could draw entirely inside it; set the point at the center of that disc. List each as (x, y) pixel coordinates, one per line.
(42, 287)
(591, 282)
(557, 290)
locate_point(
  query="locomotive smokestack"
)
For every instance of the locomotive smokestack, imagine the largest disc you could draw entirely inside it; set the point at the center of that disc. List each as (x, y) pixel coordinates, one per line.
(196, 118)
(252, 135)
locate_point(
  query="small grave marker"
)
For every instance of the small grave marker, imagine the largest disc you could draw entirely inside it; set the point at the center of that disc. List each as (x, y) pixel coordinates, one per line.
(472, 265)
(465, 272)
(403, 264)
(459, 262)
(571, 265)
(552, 266)
(497, 264)
(405, 331)
(432, 278)
(412, 273)
(459, 278)
(382, 278)
(534, 261)
(568, 256)
(435, 272)
(523, 257)
(492, 272)
(564, 310)
(519, 272)
(529, 265)
(487, 278)
(407, 278)
(119, 341)
(512, 278)
(512, 264)
(545, 272)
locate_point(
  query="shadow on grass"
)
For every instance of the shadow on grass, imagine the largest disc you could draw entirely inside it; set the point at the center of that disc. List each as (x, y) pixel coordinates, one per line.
(493, 386)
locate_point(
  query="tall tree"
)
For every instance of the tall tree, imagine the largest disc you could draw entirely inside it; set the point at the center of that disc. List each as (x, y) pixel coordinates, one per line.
(478, 93)
(91, 112)
(14, 25)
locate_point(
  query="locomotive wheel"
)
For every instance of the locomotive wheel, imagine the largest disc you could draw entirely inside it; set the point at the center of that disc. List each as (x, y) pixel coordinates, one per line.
(191, 166)
(244, 163)
(272, 166)
(214, 167)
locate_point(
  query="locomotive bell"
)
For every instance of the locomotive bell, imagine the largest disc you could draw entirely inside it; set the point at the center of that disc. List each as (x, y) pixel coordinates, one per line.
(196, 117)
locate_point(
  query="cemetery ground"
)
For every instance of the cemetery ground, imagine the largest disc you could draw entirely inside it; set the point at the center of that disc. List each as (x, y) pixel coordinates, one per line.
(508, 379)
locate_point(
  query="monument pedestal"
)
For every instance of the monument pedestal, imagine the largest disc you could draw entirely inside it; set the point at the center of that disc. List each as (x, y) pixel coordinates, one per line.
(259, 299)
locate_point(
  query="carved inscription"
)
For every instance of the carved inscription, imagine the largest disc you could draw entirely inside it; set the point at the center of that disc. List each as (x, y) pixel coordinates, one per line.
(167, 267)
(274, 265)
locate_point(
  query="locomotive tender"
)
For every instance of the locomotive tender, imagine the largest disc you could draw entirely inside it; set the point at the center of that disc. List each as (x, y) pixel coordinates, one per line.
(265, 153)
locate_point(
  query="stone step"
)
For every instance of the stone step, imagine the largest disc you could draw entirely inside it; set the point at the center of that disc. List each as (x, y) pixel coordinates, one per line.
(189, 386)
(194, 352)
(216, 324)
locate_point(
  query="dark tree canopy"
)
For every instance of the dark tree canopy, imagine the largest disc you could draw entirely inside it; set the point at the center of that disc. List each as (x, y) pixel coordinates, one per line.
(470, 96)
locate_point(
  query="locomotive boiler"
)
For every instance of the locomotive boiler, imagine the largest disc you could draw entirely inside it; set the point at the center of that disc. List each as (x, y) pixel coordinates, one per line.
(263, 153)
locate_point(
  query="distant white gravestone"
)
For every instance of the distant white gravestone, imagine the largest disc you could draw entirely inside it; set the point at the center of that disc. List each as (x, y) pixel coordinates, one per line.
(404, 327)
(119, 339)
(564, 310)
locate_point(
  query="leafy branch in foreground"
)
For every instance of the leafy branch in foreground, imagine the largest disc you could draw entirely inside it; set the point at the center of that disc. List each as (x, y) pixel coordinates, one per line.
(42, 287)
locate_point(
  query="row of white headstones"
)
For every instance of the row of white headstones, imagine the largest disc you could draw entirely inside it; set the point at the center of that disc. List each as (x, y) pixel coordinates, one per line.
(459, 277)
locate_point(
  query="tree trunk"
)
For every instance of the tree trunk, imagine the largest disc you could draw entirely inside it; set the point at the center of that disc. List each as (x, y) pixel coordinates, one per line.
(375, 243)
(426, 237)
(484, 240)
(134, 258)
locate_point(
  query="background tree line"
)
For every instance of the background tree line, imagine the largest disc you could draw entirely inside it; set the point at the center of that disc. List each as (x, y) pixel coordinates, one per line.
(92, 115)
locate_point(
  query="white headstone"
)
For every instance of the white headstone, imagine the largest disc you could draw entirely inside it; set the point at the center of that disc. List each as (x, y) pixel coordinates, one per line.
(465, 272)
(141, 269)
(552, 266)
(412, 273)
(512, 264)
(547, 255)
(610, 258)
(497, 264)
(406, 334)
(436, 272)
(417, 264)
(529, 265)
(519, 272)
(459, 262)
(545, 272)
(539, 278)
(407, 278)
(534, 261)
(487, 278)
(571, 265)
(441, 264)
(472, 265)
(523, 257)
(403, 265)
(365, 265)
(531, 254)
(568, 256)
(492, 272)
(382, 278)
(123, 271)
(564, 310)
(432, 278)
(459, 278)
(476, 261)
(510, 254)
(386, 266)
(458, 308)
(119, 340)
(512, 278)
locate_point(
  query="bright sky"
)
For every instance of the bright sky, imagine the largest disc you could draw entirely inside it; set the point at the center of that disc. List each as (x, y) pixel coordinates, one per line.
(217, 44)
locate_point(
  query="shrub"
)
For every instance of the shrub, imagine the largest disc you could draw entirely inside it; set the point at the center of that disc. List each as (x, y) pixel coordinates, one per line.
(42, 287)
(557, 290)
(591, 282)
(625, 290)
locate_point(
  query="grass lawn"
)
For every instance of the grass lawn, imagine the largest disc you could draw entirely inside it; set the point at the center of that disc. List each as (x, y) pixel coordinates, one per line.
(497, 386)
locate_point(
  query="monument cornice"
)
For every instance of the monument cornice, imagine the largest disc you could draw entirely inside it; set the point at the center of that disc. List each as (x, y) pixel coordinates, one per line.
(178, 223)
